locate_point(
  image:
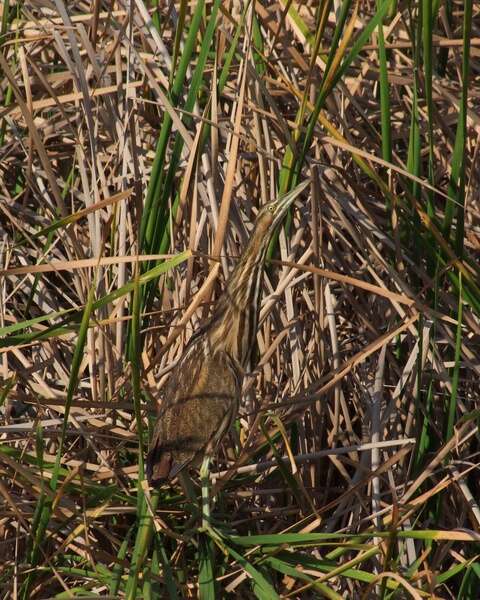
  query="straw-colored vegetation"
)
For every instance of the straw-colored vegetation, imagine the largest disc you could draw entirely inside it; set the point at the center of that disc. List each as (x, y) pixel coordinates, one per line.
(137, 141)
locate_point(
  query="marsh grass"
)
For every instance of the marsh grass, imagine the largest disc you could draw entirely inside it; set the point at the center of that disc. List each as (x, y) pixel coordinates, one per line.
(137, 142)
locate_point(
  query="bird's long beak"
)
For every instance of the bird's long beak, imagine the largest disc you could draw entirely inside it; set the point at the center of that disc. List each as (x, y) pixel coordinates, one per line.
(285, 201)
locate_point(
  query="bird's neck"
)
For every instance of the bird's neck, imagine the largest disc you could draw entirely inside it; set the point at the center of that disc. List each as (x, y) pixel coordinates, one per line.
(234, 322)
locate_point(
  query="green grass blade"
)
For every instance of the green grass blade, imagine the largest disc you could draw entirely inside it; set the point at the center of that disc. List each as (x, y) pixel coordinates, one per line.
(457, 180)
(195, 84)
(153, 211)
(385, 119)
(142, 545)
(167, 571)
(261, 587)
(427, 41)
(117, 570)
(73, 380)
(72, 315)
(72, 384)
(457, 363)
(206, 572)
(135, 362)
(286, 569)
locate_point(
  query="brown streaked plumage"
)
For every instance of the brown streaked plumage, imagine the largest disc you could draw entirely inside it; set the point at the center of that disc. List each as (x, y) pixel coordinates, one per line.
(203, 393)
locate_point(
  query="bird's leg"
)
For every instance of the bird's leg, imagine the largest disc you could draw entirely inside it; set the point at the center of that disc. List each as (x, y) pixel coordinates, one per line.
(205, 482)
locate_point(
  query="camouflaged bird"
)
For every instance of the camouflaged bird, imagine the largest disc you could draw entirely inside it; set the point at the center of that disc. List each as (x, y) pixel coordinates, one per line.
(202, 396)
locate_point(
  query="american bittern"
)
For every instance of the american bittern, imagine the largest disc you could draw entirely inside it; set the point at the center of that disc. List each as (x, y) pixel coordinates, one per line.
(203, 393)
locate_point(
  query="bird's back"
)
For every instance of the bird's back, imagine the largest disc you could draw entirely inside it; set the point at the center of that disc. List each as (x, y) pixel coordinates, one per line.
(199, 404)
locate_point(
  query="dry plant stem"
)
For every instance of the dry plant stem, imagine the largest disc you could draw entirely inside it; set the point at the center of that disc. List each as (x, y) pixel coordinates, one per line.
(375, 419)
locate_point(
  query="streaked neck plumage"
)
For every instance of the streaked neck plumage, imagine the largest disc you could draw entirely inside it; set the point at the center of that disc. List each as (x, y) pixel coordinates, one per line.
(233, 326)
(235, 320)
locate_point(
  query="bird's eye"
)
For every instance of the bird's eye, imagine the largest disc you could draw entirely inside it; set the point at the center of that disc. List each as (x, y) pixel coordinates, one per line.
(271, 208)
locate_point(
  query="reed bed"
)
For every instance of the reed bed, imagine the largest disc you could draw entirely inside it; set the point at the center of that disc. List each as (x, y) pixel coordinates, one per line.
(137, 141)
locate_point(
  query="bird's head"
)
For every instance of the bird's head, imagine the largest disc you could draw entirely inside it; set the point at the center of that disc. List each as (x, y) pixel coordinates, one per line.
(272, 213)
